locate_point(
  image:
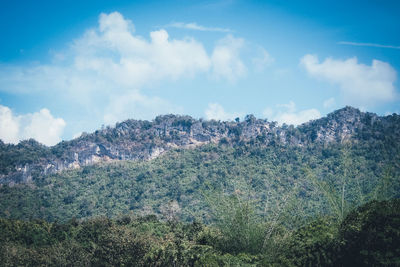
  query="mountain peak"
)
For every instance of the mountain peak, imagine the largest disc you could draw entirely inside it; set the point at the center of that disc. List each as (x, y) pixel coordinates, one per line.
(346, 111)
(145, 140)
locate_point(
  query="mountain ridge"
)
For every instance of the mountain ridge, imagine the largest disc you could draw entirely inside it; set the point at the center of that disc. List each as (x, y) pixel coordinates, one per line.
(145, 140)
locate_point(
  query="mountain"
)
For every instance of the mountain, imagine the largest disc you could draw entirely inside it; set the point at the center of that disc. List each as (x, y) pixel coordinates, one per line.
(144, 140)
(181, 167)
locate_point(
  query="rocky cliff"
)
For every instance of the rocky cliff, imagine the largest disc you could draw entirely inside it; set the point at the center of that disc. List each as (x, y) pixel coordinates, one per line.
(145, 140)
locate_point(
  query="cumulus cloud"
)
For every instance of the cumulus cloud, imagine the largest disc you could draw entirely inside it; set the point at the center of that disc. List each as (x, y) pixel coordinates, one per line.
(226, 61)
(215, 111)
(360, 84)
(136, 105)
(117, 54)
(9, 126)
(41, 126)
(196, 27)
(287, 113)
(111, 60)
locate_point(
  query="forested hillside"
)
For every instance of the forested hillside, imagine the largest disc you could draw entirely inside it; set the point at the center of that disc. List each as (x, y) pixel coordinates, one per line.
(228, 193)
(183, 178)
(145, 140)
(325, 166)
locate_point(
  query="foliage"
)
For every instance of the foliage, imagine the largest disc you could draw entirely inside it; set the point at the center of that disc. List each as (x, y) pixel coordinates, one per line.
(311, 245)
(180, 177)
(240, 230)
(103, 242)
(369, 236)
(25, 152)
(266, 201)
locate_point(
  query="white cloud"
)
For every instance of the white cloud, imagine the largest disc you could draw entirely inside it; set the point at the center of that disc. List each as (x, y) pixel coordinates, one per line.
(9, 126)
(360, 84)
(111, 60)
(297, 118)
(263, 60)
(226, 61)
(130, 61)
(107, 59)
(215, 111)
(369, 45)
(136, 105)
(196, 27)
(41, 126)
(77, 135)
(287, 113)
(329, 103)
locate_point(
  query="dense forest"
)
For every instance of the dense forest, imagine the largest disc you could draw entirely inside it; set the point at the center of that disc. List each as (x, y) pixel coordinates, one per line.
(368, 236)
(307, 180)
(321, 194)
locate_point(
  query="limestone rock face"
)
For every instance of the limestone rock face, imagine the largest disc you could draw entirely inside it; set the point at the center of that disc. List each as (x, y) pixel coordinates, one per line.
(145, 140)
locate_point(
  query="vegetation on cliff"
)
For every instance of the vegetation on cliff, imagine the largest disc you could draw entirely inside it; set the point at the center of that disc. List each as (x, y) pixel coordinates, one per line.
(217, 193)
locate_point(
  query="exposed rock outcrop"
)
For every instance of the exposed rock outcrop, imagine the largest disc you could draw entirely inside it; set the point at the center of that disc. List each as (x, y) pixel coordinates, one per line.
(144, 140)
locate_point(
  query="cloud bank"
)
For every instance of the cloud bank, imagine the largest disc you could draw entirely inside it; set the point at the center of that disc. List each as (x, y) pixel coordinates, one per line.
(117, 54)
(106, 72)
(215, 111)
(263, 60)
(226, 62)
(360, 84)
(41, 126)
(134, 105)
(287, 113)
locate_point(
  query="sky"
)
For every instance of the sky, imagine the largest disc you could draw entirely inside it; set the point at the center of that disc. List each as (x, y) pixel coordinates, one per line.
(68, 67)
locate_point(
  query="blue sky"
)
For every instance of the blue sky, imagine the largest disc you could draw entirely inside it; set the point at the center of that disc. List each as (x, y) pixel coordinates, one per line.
(68, 67)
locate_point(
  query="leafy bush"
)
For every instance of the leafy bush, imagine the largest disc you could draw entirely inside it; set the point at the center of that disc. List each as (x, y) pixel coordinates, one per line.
(370, 235)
